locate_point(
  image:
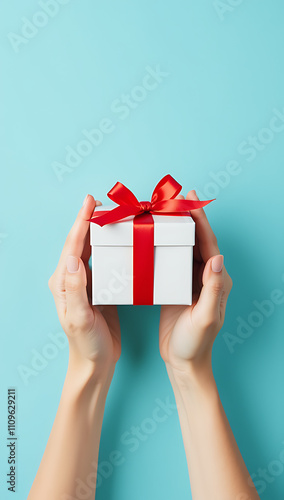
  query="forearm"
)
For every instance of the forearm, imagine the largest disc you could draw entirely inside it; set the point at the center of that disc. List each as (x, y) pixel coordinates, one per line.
(216, 468)
(72, 450)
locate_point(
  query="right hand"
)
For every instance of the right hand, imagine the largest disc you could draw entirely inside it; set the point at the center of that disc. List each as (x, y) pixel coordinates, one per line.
(187, 333)
(93, 332)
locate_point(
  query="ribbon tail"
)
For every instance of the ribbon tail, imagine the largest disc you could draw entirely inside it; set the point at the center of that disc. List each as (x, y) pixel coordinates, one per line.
(200, 204)
(176, 206)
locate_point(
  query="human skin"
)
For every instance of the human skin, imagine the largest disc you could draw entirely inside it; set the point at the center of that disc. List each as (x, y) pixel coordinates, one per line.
(216, 468)
(71, 453)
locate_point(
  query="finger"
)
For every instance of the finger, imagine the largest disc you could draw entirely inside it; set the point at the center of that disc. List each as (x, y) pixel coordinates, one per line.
(198, 269)
(207, 240)
(224, 298)
(78, 313)
(196, 251)
(86, 253)
(207, 309)
(75, 241)
(205, 276)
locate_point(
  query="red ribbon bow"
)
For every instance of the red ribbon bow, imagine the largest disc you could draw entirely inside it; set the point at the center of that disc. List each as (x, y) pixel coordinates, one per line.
(162, 202)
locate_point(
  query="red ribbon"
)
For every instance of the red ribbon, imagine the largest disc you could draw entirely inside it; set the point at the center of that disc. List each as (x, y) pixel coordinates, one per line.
(162, 202)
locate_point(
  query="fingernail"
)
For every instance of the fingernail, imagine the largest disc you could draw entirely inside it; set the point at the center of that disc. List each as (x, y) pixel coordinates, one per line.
(72, 264)
(217, 263)
(84, 202)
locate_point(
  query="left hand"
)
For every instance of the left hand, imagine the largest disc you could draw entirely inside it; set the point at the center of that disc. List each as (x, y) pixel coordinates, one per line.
(93, 332)
(187, 333)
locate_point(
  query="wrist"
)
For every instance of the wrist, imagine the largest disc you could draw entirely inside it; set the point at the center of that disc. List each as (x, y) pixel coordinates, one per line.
(87, 370)
(194, 389)
(193, 375)
(85, 378)
(84, 394)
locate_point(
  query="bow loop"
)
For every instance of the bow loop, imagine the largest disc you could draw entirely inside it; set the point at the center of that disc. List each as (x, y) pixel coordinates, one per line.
(121, 195)
(167, 188)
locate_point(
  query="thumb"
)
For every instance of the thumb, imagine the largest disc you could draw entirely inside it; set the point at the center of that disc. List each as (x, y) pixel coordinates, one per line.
(207, 309)
(77, 303)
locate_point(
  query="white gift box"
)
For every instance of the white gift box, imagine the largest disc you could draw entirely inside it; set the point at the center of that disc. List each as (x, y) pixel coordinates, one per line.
(112, 260)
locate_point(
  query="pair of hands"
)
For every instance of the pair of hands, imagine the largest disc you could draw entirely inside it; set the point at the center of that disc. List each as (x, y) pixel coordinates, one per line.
(186, 333)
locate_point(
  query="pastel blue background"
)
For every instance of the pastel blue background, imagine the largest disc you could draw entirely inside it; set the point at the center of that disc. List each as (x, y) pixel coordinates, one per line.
(225, 77)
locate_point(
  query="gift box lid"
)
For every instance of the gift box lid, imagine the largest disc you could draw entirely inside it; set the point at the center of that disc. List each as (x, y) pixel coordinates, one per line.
(168, 231)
